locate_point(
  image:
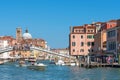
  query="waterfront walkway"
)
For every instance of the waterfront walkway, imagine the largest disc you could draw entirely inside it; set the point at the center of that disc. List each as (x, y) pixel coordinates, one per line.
(95, 65)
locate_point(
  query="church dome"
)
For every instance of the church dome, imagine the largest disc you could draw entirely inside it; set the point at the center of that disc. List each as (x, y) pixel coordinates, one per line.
(27, 35)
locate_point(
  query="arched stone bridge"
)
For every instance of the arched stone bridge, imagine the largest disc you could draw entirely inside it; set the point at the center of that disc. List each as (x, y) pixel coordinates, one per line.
(8, 49)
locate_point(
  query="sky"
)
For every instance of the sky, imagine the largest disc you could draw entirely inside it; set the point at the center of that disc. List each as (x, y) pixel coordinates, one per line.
(51, 19)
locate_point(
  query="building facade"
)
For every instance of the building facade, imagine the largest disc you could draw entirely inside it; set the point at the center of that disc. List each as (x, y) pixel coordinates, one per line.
(100, 38)
(113, 40)
(6, 41)
(81, 40)
(18, 34)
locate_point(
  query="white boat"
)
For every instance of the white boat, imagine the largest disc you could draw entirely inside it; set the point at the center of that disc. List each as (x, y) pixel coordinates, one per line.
(37, 66)
(60, 62)
(72, 64)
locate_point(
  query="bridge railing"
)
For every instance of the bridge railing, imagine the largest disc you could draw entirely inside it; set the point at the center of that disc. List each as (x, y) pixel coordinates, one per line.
(6, 49)
(50, 52)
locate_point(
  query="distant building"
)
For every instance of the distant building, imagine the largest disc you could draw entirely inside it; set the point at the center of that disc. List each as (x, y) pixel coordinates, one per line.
(21, 42)
(5, 41)
(27, 35)
(113, 23)
(19, 34)
(26, 38)
(81, 40)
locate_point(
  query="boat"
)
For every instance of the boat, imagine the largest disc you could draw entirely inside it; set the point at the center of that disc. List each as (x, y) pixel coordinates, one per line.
(37, 66)
(22, 63)
(60, 62)
(34, 65)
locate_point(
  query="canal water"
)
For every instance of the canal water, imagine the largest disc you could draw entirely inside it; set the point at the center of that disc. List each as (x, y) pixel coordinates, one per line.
(12, 71)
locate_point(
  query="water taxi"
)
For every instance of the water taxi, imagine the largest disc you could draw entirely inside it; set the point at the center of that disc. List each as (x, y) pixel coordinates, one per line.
(34, 65)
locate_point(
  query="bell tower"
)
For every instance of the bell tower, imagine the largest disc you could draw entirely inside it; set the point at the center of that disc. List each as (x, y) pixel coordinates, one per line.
(18, 34)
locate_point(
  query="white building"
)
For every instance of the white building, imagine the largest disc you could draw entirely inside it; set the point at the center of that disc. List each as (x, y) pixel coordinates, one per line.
(4, 44)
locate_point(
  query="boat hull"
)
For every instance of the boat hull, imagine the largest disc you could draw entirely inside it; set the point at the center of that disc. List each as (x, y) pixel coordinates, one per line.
(36, 67)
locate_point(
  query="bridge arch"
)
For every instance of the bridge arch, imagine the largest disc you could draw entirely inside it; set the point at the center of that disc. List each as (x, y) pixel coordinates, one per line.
(8, 49)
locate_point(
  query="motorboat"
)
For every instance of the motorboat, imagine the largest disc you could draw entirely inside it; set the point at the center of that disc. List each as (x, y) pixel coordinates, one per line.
(60, 62)
(37, 66)
(34, 65)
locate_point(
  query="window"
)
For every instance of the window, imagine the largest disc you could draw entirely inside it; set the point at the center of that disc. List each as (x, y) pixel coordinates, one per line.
(81, 36)
(104, 44)
(92, 43)
(89, 36)
(73, 36)
(111, 45)
(81, 50)
(92, 50)
(73, 50)
(82, 43)
(88, 30)
(111, 34)
(88, 43)
(92, 30)
(76, 30)
(73, 44)
(82, 30)
(88, 50)
(93, 36)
